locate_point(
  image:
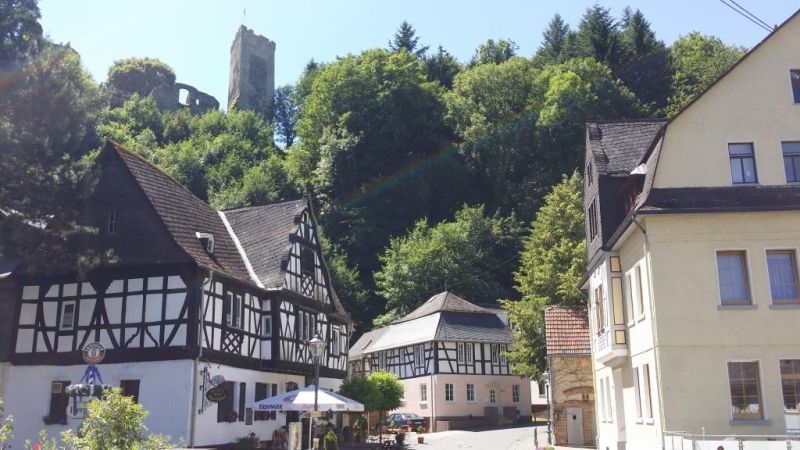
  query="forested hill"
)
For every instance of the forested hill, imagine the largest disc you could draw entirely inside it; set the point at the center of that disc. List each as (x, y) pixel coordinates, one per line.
(427, 171)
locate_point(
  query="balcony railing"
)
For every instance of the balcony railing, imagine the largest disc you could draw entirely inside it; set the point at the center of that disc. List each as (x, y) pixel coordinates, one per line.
(611, 346)
(684, 441)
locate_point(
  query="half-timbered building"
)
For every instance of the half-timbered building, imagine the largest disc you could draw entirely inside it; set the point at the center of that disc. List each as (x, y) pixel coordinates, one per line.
(449, 354)
(192, 295)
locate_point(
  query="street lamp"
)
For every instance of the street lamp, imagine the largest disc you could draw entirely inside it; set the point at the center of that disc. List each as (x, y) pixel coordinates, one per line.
(317, 348)
(546, 376)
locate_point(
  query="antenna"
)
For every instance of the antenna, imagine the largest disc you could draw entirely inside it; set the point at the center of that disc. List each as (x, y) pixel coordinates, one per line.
(244, 16)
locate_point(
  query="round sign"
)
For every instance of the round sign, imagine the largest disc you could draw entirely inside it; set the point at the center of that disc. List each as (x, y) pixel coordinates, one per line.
(217, 394)
(216, 380)
(94, 353)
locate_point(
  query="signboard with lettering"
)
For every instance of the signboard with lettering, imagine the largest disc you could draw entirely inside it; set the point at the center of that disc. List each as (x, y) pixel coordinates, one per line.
(217, 394)
(94, 353)
(80, 409)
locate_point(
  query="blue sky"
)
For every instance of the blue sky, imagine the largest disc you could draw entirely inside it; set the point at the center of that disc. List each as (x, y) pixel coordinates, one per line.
(194, 37)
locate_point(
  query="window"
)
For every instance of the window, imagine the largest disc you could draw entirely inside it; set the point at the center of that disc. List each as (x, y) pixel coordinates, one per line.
(592, 221)
(503, 360)
(639, 290)
(233, 313)
(261, 394)
(59, 401)
(647, 397)
(743, 163)
(794, 75)
(307, 261)
(67, 316)
(419, 355)
(790, 383)
(589, 173)
(334, 340)
(745, 390)
(629, 295)
(460, 352)
(542, 392)
(515, 393)
(609, 410)
(492, 396)
(599, 308)
(782, 268)
(266, 326)
(112, 221)
(449, 394)
(242, 401)
(495, 353)
(470, 392)
(423, 392)
(603, 399)
(470, 350)
(130, 388)
(791, 161)
(733, 283)
(637, 389)
(225, 411)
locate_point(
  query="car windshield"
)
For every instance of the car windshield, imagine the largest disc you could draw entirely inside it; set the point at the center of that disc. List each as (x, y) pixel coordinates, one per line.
(410, 416)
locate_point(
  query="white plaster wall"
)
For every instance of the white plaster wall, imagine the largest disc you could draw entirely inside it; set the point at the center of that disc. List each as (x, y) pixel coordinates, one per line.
(165, 391)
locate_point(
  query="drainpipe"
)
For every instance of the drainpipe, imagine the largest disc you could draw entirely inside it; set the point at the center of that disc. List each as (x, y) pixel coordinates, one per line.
(657, 359)
(195, 364)
(433, 402)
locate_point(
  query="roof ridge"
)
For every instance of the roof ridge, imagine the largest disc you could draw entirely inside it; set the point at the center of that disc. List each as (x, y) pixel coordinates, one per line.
(639, 120)
(254, 207)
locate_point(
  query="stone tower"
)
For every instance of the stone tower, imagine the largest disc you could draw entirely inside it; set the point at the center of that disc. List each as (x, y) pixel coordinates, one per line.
(251, 84)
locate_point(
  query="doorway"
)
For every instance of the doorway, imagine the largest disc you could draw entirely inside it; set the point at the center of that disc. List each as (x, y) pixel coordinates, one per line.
(574, 426)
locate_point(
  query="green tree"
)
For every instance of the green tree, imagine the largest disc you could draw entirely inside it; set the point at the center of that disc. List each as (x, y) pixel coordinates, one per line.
(6, 426)
(598, 37)
(494, 52)
(361, 389)
(46, 126)
(556, 42)
(139, 75)
(286, 112)
(465, 256)
(647, 69)
(20, 32)
(698, 61)
(442, 67)
(552, 264)
(406, 39)
(115, 422)
(388, 392)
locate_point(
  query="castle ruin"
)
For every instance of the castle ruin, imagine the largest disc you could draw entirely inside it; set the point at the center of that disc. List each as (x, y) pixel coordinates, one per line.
(251, 83)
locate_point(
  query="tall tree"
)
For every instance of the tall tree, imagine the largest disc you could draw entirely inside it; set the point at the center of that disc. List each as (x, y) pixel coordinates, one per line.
(556, 40)
(442, 67)
(598, 37)
(286, 111)
(552, 264)
(406, 39)
(647, 69)
(698, 60)
(20, 31)
(137, 76)
(494, 52)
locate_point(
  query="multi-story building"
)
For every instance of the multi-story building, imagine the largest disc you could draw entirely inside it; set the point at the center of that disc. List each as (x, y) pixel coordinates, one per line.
(570, 375)
(449, 354)
(195, 297)
(693, 229)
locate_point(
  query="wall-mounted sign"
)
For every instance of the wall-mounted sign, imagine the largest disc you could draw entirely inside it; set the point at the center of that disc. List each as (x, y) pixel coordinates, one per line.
(216, 380)
(93, 353)
(79, 410)
(217, 394)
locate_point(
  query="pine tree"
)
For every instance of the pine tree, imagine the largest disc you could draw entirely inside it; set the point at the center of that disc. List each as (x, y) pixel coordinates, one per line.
(598, 37)
(406, 38)
(442, 67)
(555, 42)
(647, 68)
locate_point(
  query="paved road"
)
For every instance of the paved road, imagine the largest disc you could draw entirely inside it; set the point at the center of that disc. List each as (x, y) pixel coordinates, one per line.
(505, 439)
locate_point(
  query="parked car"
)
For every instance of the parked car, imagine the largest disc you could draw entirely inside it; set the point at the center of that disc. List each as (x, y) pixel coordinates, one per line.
(409, 421)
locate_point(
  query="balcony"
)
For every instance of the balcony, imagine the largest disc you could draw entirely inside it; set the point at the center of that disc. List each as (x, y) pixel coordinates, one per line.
(611, 346)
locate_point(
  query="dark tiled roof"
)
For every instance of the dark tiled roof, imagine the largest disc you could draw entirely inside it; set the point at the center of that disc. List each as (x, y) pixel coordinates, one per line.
(618, 147)
(363, 343)
(567, 330)
(444, 301)
(183, 214)
(722, 199)
(264, 233)
(473, 328)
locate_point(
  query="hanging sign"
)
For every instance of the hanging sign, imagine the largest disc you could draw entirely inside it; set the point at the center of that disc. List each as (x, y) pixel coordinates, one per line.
(94, 353)
(216, 380)
(217, 394)
(79, 409)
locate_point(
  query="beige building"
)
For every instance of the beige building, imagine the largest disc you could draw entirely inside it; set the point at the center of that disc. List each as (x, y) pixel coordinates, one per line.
(693, 229)
(569, 372)
(449, 355)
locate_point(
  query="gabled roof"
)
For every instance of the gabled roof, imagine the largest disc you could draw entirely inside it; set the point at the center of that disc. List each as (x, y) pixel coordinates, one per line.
(365, 341)
(264, 233)
(183, 214)
(444, 301)
(618, 147)
(567, 330)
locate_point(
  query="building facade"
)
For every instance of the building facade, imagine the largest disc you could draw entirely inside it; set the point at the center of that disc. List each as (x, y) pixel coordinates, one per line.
(192, 294)
(570, 374)
(449, 357)
(693, 229)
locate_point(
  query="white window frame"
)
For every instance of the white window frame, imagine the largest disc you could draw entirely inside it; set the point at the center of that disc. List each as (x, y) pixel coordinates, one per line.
(515, 393)
(62, 324)
(266, 325)
(637, 385)
(603, 417)
(492, 396)
(419, 355)
(452, 389)
(423, 392)
(640, 300)
(470, 390)
(503, 359)
(460, 352)
(495, 349)
(469, 349)
(647, 389)
(609, 402)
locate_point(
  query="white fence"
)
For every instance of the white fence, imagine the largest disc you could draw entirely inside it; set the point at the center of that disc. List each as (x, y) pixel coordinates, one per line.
(683, 441)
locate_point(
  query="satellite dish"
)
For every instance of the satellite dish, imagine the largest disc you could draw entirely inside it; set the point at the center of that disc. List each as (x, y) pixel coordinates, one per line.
(216, 380)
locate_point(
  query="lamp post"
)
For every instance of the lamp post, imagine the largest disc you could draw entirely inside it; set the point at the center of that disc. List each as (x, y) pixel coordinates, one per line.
(546, 376)
(317, 348)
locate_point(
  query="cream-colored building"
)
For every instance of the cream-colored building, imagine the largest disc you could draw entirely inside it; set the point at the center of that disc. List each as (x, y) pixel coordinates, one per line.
(693, 230)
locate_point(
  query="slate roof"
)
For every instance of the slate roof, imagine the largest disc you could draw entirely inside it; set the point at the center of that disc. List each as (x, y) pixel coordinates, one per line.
(366, 340)
(184, 214)
(567, 330)
(264, 233)
(443, 301)
(618, 147)
(473, 328)
(722, 199)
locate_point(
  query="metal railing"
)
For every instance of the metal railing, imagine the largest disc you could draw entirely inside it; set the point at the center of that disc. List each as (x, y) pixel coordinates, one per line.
(674, 440)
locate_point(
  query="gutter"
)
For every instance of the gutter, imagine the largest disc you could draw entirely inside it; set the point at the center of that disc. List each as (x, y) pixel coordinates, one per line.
(195, 363)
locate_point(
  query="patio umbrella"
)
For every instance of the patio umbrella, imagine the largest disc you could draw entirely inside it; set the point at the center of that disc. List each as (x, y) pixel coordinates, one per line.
(303, 400)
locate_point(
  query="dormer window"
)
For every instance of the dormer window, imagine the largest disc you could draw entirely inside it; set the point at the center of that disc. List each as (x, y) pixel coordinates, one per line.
(207, 241)
(112, 221)
(794, 75)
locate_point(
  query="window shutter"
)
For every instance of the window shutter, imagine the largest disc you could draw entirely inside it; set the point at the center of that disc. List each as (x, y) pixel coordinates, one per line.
(226, 406)
(261, 394)
(273, 414)
(58, 402)
(242, 400)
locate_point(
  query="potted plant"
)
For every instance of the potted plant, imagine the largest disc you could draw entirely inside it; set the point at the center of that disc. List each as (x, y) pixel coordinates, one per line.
(420, 439)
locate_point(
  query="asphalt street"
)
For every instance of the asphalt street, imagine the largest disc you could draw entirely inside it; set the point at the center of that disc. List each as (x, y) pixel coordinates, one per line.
(506, 439)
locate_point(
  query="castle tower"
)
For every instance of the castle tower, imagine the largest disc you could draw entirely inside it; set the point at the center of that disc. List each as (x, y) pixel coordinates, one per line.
(251, 84)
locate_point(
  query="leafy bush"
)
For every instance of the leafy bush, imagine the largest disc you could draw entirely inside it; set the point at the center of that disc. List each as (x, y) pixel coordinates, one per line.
(250, 442)
(331, 442)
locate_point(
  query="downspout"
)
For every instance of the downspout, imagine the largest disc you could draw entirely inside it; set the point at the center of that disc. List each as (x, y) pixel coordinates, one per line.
(195, 364)
(654, 333)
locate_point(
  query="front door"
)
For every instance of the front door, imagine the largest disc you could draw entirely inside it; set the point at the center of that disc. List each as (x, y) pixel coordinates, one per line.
(574, 426)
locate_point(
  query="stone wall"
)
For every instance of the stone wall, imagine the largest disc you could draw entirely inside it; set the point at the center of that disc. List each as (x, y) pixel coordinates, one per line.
(251, 83)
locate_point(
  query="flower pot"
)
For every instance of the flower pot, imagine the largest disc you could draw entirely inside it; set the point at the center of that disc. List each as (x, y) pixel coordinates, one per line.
(420, 439)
